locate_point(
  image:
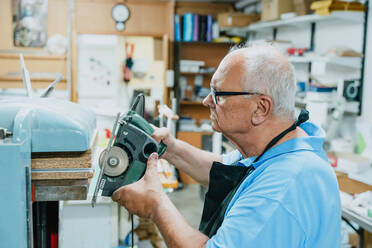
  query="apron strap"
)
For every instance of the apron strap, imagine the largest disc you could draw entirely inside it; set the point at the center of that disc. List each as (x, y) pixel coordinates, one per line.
(304, 116)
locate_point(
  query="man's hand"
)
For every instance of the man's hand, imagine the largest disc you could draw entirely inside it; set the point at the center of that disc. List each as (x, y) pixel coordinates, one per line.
(146, 198)
(143, 197)
(163, 135)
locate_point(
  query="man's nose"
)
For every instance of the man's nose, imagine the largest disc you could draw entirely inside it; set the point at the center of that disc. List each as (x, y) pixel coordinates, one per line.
(208, 101)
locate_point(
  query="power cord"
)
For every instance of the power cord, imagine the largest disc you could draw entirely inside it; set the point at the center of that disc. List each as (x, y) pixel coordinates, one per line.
(132, 231)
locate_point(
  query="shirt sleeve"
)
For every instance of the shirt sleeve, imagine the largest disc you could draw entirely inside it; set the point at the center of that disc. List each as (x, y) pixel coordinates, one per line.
(231, 157)
(258, 222)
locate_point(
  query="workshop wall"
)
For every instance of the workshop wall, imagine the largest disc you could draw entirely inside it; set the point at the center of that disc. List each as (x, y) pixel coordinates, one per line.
(147, 18)
(94, 17)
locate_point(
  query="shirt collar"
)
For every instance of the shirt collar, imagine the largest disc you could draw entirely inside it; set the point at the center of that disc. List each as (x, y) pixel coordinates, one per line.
(314, 141)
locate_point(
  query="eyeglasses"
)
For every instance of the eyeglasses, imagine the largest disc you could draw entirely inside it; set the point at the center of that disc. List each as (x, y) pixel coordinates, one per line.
(218, 96)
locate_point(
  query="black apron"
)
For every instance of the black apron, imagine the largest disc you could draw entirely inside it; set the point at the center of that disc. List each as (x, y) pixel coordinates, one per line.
(224, 180)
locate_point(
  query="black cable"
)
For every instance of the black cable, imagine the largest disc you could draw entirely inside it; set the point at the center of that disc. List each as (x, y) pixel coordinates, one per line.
(140, 98)
(132, 231)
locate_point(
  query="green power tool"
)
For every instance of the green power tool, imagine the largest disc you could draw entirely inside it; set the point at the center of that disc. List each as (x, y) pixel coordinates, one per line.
(124, 162)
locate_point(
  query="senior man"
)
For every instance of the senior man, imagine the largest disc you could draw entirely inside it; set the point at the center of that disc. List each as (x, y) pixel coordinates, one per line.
(276, 190)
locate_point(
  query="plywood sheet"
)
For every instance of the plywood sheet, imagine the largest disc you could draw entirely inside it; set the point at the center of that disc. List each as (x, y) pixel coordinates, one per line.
(50, 160)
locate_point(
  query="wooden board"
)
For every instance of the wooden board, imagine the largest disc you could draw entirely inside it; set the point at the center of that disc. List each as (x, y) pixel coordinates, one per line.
(210, 53)
(195, 110)
(203, 8)
(148, 18)
(60, 190)
(195, 139)
(53, 175)
(61, 165)
(48, 160)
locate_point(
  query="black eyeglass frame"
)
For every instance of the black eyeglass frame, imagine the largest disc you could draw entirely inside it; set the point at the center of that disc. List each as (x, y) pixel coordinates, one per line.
(215, 94)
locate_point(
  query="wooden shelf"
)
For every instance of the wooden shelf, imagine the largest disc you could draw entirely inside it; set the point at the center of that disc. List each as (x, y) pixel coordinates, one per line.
(197, 73)
(340, 16)
(352, 62)
(204, 43)
(37, 82)
(32, 56)
(194, 103)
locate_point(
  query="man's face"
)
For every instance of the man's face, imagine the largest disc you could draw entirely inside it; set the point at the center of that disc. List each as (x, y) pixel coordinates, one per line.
(231, 114)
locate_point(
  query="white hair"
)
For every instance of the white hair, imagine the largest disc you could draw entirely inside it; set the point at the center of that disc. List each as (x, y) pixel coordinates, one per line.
(269, 72)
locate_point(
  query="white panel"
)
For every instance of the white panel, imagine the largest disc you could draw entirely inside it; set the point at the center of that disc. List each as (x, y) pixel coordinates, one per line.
(367, 86)
(82, 226)
(98, 66)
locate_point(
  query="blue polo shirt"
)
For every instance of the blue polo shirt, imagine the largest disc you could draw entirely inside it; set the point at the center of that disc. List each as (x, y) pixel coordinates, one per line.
(291, 199)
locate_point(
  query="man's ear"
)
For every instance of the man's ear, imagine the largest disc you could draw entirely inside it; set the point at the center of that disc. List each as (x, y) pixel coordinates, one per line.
(264, 106)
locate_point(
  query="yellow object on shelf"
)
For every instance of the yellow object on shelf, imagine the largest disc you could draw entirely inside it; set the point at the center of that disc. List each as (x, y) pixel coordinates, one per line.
(325, 8)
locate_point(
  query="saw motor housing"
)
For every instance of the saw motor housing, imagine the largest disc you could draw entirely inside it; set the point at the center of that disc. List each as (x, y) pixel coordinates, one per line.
(128, 156)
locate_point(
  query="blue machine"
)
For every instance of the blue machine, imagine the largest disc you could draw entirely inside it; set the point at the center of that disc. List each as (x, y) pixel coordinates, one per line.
(33, 124)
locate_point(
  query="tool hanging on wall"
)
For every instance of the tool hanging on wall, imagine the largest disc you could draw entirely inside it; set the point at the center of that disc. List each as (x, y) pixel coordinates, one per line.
(127, 68)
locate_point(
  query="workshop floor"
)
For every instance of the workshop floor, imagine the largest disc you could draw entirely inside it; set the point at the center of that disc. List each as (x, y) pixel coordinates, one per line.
(188, 202)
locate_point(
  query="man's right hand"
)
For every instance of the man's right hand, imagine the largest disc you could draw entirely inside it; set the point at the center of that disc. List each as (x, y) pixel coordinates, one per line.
(163, 135)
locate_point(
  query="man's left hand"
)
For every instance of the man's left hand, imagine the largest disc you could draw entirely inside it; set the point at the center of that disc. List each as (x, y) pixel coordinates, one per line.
(143, 197)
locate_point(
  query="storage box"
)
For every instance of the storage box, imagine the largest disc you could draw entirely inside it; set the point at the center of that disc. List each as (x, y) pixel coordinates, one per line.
(302, 7)
(236, 19)
(326, 7)
(272, 9)
(351, 186)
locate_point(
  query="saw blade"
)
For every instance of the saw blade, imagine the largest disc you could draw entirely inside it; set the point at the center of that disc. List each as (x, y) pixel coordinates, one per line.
(100, 182)
(117, 161)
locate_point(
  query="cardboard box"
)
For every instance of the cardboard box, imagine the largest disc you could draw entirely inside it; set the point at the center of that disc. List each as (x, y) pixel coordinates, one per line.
(302, 7)
(236, 19)
(351, 186)
(326, 7)
(272, 9)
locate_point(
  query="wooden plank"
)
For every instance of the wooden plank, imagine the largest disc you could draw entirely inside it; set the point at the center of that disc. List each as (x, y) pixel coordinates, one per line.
(52, 175)
(203, 8)
(35, 85)
(31, 56)
(58, 190)
(36, 79)
(61, 160)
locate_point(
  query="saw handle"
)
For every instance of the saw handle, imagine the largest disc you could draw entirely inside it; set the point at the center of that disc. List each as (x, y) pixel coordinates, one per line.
(142, 124)
(162, 148)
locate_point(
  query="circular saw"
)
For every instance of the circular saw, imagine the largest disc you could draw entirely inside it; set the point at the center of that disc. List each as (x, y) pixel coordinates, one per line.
(124, 160)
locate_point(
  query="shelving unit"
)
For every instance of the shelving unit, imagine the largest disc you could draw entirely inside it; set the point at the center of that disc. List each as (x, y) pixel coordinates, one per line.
(353, 17)
(197, 103)
(312, 20)
(209, 52)
(353, 62)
